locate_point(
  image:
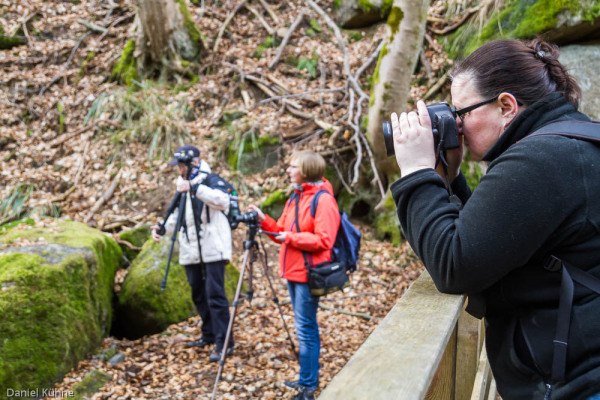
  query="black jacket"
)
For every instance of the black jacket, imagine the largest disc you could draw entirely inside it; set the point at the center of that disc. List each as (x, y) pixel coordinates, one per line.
(540, 196)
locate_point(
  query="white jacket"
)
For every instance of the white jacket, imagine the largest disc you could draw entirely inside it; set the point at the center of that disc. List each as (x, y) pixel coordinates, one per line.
(215, 236)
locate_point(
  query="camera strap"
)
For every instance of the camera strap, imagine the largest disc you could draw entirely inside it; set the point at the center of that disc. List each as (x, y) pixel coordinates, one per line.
(441, 156)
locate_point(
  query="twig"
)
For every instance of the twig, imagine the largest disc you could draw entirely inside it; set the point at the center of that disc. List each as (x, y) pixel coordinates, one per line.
(57, 77)
(296, 23)
(224, 26)
(287, 96)
(334, 151)
(269, 11)
(425, 64)
(371, 58)
(114, 23)
(340, 311)
(124, 242)
(376, 177)
(437, 86)
(337, 169)
(104, 198)
(91, 26)
(264, 23)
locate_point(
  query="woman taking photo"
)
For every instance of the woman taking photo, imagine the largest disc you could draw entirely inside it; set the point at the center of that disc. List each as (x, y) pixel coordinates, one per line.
(538, 199)
(305, 242)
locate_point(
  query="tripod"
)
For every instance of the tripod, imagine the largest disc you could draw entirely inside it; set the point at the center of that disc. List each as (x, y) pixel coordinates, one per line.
(250, 249)
(178, 201)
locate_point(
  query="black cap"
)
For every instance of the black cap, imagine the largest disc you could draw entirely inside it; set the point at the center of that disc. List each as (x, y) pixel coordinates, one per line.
(185, 154)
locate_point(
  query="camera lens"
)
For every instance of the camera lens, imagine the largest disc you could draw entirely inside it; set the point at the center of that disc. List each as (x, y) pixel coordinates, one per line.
(388, 138)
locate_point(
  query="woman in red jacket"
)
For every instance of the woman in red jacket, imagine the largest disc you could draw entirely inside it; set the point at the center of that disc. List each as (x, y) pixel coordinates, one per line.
(304, 240)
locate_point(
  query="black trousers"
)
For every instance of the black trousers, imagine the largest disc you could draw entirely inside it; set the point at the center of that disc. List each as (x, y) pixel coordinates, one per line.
(207, 281)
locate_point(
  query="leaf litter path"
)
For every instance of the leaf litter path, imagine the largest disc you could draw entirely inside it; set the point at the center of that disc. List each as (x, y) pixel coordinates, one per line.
(161, 366)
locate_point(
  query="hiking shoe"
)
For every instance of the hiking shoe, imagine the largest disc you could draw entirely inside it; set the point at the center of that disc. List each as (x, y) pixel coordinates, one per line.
(305, 394)
(216, 354)
(200, 343)
(293, 385)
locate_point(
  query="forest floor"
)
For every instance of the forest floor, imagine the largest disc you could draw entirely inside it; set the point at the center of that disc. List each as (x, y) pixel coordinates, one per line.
(72, 144)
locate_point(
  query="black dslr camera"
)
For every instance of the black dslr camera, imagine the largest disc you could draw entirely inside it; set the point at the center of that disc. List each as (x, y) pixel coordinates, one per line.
(249, 217)
(443, 126)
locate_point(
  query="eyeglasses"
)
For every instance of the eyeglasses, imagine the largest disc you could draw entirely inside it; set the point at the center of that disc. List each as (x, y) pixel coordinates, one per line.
(464, 112)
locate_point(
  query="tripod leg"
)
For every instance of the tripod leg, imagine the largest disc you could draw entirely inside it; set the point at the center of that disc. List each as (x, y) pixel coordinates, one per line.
(246, 258)
(276, 301)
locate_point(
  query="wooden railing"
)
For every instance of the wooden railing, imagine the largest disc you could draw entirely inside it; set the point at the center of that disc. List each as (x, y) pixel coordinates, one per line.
(427, 347)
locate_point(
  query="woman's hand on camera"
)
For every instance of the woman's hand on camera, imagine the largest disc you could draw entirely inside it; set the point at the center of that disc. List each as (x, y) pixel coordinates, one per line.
(413, 140)
(259, 214)
(281, 236)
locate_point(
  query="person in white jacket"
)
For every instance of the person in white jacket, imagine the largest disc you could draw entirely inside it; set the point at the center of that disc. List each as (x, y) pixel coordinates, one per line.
(205, 255)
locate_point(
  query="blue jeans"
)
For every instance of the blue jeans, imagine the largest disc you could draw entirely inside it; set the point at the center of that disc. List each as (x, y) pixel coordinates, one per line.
(594, 397)
(307, 330)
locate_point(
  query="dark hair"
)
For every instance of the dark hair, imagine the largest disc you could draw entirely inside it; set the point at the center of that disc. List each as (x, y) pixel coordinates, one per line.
(527, 70)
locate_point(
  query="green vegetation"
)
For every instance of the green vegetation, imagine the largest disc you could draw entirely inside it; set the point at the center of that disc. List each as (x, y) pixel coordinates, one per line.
(8, 42)
(387, 226)
(309, 64)
(125, 70)
(274, 203)
(61, 117)
(394, 19)
(144, 116)
(55, 301)
(269, 42)
(90, 384)
(192, 30)
(137, 237)
(13, 206)
(519, 20)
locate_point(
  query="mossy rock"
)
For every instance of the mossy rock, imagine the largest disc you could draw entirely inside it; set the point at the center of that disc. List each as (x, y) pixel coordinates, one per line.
(386, 223)
(91, 383)
(55, 301)
(251, 154)
(523, 19)
(137, 237)
(144, 309)
(274, 204)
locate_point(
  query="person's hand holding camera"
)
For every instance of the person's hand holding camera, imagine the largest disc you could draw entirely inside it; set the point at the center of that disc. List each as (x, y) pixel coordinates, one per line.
(183, 186)
(154, 231)
(413, 140)
(260, 216)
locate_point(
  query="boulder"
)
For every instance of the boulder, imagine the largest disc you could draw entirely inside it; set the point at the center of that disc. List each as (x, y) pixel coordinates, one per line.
(562, 22)
(56, 284)
(135, 237)
(582, 61)
(352, 14)
(142, 308)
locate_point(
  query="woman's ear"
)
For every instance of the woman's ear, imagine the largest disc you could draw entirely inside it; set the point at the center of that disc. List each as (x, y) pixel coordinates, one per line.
(509, 106)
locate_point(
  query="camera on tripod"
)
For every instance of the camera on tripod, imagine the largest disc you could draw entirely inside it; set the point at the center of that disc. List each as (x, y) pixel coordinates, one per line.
(443, 127)
(249, 218)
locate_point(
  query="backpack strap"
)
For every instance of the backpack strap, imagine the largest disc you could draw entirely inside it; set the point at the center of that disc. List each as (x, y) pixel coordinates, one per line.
(315, 202)
(297, 222)
(575, 129)
(570, 274)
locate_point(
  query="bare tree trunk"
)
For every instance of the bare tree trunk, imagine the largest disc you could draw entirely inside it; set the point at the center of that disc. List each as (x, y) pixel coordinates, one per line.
(165, 34)
(397, 60)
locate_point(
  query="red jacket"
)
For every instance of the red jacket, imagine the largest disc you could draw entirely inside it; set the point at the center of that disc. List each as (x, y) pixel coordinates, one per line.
(316, 237)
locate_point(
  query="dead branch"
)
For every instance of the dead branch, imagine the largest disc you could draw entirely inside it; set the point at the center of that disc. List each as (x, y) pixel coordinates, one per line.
(337, 169)
(376, 177)
(425, 63)
(437, 86)
(124, 242)
(336, 151)
(269, 11)
(114, 23)
(57, 77)
(371, 58)
(287, 96)
(91, 26)
(340, 311)
(260, 18)
(224, 26)
(104, 198)
(296, 23)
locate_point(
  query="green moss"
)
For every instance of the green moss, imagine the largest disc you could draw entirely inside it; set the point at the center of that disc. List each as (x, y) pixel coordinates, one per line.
(519, 20)
(8, 42)
(190, 26)
(90, 384)
(375, 76)
(142, 307)
(274, 203)
(337, 4)
(386, 223)
(4, 228)
(136, 237)
(125, 69)
(396, 16)
(53, 312)
(269, 42)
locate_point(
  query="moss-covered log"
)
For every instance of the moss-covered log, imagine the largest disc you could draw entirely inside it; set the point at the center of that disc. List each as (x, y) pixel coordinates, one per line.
(55, 300)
